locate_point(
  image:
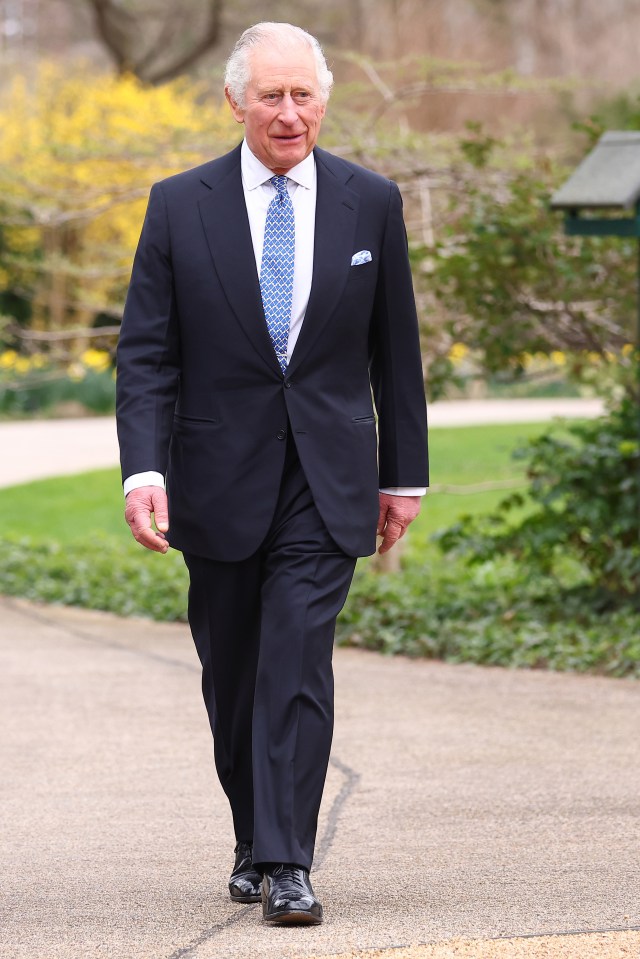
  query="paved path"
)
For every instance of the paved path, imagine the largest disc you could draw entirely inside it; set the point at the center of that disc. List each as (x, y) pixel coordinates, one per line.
(462, 802)
(35, 449)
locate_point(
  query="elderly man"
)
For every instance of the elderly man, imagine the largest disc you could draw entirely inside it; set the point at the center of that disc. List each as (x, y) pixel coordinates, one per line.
(271, 297)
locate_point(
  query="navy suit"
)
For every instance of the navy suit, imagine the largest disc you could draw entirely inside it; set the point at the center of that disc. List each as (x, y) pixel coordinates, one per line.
(263, 467)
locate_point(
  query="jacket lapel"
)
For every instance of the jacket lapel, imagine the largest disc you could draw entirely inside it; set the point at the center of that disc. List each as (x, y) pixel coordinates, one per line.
(226, 225)
(336, 218)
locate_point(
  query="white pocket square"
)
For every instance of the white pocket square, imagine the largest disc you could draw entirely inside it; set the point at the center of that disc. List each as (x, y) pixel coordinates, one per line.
(364, 256)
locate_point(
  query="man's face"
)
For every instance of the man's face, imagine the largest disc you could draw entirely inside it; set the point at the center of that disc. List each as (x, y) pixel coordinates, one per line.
(283, 107)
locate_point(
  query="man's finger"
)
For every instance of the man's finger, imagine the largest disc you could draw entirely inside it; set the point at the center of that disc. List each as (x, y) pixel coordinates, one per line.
(160, 509)
(392, 533)
(146, 535)
(382, 517)
(139, 520)
(152, 540)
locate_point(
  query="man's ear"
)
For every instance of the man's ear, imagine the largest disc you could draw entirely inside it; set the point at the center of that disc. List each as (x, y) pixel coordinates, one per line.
(238, 112)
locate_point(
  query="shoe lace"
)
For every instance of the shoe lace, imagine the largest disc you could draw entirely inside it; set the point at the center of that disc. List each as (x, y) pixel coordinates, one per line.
(293, 874)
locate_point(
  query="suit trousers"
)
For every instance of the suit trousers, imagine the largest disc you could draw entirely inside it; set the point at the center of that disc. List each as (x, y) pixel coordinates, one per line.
(264, 632)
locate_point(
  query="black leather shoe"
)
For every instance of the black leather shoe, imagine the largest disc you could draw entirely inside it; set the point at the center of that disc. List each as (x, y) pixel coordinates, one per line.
(287, 896)
(244, 881)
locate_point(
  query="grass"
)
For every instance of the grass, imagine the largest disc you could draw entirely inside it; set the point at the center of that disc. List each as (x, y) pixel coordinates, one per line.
(69, 508)
(65, 508)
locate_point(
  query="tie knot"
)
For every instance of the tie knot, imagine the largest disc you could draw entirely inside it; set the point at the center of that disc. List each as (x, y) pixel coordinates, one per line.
(280, 183)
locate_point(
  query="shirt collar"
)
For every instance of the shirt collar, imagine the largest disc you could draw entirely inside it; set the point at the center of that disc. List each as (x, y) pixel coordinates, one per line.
(255, 173)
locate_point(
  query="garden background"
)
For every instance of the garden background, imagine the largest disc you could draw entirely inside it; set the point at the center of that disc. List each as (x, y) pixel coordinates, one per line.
(479, 109)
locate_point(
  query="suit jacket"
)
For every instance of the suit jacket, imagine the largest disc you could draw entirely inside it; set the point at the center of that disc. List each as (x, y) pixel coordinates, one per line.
(201, 397)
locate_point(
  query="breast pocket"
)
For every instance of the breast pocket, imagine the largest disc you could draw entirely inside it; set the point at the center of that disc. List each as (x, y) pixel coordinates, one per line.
(363, 272)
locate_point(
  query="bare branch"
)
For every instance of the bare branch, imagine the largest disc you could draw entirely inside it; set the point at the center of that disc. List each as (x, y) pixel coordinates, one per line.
(55, 336)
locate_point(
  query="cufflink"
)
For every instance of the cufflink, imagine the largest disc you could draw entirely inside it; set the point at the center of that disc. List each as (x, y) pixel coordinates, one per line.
(364, 256)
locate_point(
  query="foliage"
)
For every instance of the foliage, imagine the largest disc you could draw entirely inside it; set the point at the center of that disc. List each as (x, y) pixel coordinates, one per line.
(511, 284)
(620, 112)
(96, 573)
(586, 491)
(543, 374)
(77, 155)
(490, 615)
(34, 384)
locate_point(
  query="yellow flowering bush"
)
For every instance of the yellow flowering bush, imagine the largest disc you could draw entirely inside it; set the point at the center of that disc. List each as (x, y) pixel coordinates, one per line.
(35, 383)
(78, 154)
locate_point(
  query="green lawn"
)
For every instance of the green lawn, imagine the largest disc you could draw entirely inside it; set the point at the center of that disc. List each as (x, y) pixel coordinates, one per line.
(67, 508)
(71, 507)
(476, 454)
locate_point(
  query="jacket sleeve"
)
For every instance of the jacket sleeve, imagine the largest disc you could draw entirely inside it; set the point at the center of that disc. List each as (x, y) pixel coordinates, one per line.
(396, 363)
(148, 356)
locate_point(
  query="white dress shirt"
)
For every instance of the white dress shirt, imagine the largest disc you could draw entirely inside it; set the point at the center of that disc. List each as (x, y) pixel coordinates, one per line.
(258, 193)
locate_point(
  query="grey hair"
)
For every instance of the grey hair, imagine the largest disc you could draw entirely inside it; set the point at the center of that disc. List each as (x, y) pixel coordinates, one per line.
(238, 70)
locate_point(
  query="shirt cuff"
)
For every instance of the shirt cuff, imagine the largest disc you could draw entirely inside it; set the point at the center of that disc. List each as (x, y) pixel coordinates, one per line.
(136, 480)
(405, 490)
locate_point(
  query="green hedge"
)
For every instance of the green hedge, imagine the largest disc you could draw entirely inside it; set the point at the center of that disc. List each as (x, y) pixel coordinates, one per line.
(488, 614)
(96, 573)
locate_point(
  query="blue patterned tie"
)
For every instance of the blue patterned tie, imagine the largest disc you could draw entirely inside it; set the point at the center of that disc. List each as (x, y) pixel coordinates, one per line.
(276, 271)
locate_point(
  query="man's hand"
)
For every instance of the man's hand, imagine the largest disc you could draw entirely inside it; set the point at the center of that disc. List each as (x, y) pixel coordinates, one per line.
(141, 503)
(396, 512)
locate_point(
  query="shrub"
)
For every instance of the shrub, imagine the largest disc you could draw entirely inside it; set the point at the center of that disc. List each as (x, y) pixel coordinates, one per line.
(78, 153)
(34, 384)
(99, 573)
(586, 491)
(489, 614)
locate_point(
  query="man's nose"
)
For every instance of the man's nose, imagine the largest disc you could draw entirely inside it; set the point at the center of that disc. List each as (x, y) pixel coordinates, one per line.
(288, 109)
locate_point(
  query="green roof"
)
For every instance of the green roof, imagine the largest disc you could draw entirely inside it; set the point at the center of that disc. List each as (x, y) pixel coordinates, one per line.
(609, 176)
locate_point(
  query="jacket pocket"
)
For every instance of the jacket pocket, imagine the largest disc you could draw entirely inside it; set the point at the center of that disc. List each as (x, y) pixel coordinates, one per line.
(188, 420)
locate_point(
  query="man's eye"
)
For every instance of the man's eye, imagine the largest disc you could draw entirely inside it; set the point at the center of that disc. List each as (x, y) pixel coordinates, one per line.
(271, 97)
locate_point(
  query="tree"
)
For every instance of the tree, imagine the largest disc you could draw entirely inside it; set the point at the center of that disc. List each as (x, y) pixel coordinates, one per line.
(159, 42)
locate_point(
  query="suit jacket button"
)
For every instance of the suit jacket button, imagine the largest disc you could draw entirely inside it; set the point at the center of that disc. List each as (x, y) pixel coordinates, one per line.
(287, 384)
(281, 434)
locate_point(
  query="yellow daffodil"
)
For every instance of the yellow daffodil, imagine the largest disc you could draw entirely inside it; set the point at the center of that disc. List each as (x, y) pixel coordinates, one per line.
(8, 359)
(458, 352)
(98, 360)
